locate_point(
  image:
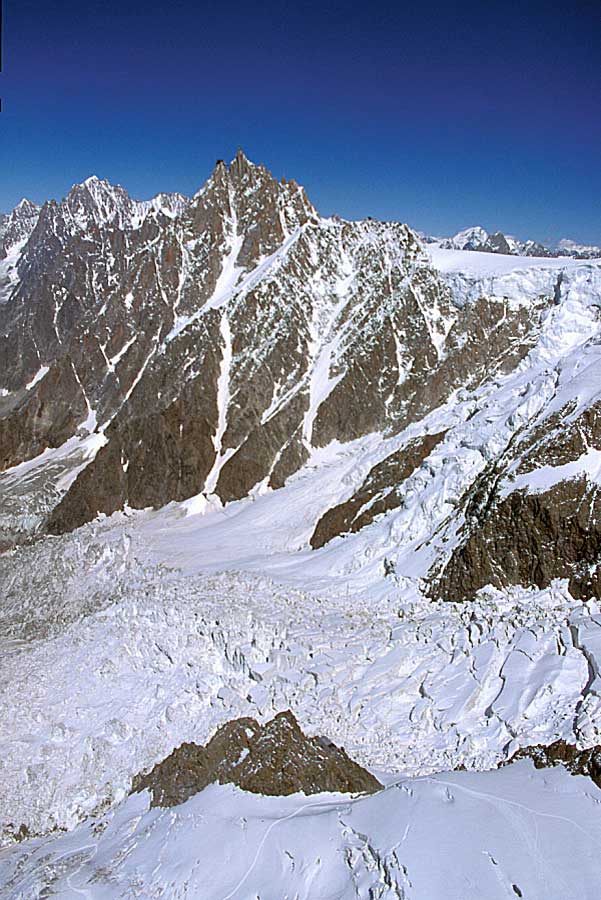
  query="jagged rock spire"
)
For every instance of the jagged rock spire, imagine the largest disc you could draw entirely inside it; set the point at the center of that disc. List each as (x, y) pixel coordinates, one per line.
(241, 166)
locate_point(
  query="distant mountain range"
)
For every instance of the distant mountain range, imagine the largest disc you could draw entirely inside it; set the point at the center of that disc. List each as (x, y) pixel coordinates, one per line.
(477, 238)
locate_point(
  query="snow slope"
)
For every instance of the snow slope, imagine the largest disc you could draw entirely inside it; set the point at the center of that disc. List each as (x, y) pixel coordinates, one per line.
(476, 263)
(132, 659)
(500, 835)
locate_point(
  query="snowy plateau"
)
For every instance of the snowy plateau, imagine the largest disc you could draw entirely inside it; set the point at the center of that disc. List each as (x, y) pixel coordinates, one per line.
(255, 460)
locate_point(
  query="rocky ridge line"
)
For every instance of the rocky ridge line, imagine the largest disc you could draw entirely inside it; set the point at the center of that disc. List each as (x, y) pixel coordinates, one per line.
(274, 759)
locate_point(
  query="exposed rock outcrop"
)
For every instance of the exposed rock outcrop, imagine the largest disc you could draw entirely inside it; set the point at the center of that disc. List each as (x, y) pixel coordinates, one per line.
(272, 759)
(381, 492)
(15, 227)
(44, 416)
(531, 537)
(577, 762)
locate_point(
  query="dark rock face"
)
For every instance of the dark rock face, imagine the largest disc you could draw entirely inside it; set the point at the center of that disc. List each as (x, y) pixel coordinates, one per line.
(485, 338)
(163, 451)
(381, 492)
(274, 759)
(577, 762)
(532, 538)
(147, 462)
(558, 440)
(535, 248)
(45, 416)
(103, 283)
(497, 243)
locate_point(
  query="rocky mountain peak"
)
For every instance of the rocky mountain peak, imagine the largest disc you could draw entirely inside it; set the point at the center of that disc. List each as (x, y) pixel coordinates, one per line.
(240, 169)
(583, 251)
(26, 208)
(241, 166)
(246, 178)
(303, 435)
(468, 239)
(272, 759)
(96, 202)
(16, 226)
(243, 205)
(217, 343)
(169, 204)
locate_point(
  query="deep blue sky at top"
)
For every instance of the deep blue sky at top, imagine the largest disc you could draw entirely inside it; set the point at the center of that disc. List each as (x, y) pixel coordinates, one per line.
(440, 114)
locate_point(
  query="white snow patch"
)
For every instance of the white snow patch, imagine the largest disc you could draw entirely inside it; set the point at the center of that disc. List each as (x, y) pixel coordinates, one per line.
(325, 343)
(113, 362)
(475, 262)
(501, 834)
(223, 399)
(41, 373)
(545, 477)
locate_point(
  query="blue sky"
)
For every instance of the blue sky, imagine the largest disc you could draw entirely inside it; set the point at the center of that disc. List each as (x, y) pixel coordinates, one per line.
(441, 114)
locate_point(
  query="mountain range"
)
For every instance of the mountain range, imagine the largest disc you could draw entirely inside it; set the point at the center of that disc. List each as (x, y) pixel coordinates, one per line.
(210, 346)
(477, 238)
(256, 460)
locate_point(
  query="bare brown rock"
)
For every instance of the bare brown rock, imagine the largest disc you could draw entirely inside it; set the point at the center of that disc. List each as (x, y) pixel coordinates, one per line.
(42, 417)
(559, 439)
(532, 538)
(577, 762)
(272, 759)
(381, 492)
(147, 461)
(119, 297)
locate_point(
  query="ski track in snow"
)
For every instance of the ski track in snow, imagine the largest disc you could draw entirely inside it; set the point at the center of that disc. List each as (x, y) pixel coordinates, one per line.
(218, 846)
(505, 801)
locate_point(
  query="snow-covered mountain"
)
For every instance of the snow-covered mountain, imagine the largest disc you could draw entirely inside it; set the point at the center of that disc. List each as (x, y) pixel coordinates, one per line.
(477, 238)
(15, 229)
(258, 460)
(581, 251)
